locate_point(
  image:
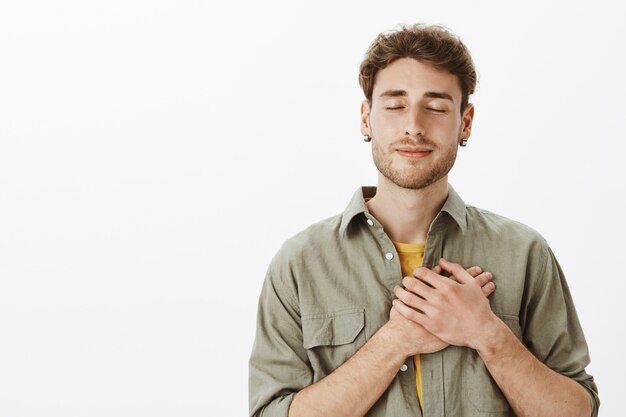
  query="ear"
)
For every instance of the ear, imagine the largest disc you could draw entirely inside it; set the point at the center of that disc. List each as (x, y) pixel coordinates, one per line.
(365, 118)
(466, 125)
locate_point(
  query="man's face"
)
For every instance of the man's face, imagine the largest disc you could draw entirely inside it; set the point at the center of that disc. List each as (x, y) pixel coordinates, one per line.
(415, 122)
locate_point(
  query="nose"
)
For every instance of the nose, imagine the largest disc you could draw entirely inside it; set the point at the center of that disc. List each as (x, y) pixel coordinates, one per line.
(414, 124)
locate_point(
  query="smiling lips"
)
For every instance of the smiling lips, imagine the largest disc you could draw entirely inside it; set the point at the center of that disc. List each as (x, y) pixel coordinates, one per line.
(414, 152)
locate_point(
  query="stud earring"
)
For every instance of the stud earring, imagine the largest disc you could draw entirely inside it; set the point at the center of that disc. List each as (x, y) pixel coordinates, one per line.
(367, 138)
(463, 142)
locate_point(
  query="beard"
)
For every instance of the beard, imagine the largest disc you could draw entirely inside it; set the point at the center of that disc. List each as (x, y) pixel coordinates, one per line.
(414, 174)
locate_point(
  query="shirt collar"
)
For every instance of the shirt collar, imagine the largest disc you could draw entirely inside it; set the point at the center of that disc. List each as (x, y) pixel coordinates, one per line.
(454, 206)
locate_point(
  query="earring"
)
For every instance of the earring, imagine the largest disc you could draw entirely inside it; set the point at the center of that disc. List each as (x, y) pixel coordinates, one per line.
(463, 142)
(367, 138)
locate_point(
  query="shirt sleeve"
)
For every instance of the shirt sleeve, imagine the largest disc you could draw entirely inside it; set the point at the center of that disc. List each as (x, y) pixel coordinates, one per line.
(551, 329)
(279, 365)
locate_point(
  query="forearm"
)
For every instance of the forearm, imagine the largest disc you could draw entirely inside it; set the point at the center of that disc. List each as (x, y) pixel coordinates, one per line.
(530, 387)
(353, 388)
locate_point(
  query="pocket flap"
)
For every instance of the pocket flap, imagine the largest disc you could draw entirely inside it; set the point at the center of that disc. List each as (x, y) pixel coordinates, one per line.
(332, 329)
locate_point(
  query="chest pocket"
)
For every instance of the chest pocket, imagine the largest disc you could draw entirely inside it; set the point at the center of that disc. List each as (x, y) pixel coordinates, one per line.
(332, 338)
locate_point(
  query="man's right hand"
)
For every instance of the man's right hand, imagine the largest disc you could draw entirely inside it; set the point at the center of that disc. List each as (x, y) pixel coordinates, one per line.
(412, 337)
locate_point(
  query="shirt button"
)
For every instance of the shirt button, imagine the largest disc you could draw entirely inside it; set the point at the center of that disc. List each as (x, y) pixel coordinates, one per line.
(404, 367)
(370, 222)
(389, 256)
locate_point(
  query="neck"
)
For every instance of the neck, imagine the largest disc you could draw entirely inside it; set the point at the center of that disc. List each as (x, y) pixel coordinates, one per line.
(406, 214)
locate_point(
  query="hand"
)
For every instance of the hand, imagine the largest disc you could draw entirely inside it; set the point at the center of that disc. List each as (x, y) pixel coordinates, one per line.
(484, 279)
(411, 337)
(415, 338)
(455, 310)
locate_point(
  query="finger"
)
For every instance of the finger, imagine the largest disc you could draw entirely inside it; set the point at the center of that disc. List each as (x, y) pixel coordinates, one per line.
(474, 271)
(409, 298)
(437, 270)
(488, 289)
(417, 287)
(430, 277)
(408, 313)
(483, 278)
(457, 270)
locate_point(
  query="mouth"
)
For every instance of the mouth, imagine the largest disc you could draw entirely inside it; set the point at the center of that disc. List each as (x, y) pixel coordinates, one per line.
(414, 152)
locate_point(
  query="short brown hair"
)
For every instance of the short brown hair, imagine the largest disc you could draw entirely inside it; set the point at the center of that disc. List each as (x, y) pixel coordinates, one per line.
(434, 45)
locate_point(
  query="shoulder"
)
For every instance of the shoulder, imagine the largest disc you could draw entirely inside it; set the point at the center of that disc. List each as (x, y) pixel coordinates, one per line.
(510, 235)
(318, 238)
(480, 220)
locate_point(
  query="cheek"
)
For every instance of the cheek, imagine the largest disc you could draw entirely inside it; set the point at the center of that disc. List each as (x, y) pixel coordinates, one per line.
(444, 128)
(387, 125)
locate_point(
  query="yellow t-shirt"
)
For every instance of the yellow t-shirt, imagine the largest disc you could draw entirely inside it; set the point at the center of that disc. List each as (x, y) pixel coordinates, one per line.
(411, 257)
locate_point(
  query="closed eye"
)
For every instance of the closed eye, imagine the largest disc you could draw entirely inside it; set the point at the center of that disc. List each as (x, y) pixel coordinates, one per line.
(394, 108)
(436, 110)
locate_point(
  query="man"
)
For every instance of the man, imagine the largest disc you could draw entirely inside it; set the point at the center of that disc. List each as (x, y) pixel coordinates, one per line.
(372, 312)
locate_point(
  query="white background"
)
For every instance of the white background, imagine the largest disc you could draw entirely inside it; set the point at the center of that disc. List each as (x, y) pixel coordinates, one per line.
(154, 155)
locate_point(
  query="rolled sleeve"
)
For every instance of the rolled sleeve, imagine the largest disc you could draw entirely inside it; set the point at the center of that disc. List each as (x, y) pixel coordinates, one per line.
(552, 331)
(278, 366)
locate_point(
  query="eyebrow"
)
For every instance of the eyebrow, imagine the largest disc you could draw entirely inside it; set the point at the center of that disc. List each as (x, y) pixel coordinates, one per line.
(393, 93)
(433, 94)
(428, 94)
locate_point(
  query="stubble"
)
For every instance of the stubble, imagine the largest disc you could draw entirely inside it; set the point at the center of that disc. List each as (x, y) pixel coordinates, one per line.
(414, 174)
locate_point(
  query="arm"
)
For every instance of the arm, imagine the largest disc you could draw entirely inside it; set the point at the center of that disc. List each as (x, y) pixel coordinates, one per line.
(454, 312)
(280, 375)
(531, 387)
(354, 387)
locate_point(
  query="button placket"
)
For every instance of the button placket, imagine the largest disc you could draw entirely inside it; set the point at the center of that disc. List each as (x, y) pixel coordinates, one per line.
(385, 243)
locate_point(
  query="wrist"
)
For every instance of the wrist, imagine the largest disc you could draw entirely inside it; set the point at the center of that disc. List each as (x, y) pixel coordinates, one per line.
(392, 337)
(493, 337)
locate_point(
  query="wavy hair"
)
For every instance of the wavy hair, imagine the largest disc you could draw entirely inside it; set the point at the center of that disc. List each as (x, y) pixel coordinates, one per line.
(430, 44)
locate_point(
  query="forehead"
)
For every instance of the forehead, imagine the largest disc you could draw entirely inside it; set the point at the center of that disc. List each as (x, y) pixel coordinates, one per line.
(416, 78)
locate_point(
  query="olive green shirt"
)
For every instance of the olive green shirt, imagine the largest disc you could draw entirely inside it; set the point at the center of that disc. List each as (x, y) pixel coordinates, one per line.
(329, 289)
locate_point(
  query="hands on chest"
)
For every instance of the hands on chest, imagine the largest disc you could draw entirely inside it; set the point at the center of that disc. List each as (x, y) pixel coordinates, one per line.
(432, 311)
